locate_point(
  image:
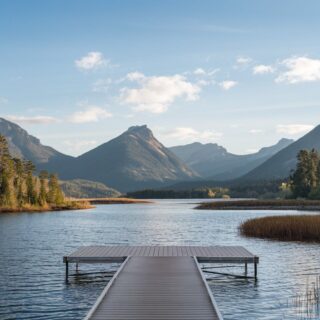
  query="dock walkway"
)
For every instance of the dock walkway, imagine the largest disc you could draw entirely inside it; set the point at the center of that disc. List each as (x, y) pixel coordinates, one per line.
(158, 282)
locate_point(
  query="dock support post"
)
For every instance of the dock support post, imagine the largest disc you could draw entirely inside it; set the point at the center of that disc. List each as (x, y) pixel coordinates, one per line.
(77, 267)
(67, 270)
(246, 268)
(255, 270)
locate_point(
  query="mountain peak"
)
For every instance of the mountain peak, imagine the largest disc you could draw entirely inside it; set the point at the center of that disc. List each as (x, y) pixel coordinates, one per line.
(140, 131)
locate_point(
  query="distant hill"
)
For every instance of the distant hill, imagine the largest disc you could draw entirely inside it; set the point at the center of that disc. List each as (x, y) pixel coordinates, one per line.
(133, 160)
(280, 165)
(87, 189)
(214, 162)
(25, 146)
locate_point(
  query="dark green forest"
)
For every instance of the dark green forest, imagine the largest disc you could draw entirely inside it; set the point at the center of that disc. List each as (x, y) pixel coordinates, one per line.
(21, 188)
(305, 180)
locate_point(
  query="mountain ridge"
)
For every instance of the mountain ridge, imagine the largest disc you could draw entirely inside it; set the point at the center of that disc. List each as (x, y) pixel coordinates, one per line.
(214, 162)
(280, 164)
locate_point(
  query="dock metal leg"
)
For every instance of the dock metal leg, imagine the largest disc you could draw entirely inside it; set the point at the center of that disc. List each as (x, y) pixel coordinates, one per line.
(255, 270)
(77, 267)
(67, 271)
(246, 268)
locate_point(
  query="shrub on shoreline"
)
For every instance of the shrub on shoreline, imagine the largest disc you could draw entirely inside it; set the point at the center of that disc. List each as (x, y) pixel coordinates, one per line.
(304, 228)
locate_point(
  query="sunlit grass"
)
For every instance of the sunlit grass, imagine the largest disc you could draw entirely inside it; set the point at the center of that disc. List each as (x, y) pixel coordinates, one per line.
(287, 228)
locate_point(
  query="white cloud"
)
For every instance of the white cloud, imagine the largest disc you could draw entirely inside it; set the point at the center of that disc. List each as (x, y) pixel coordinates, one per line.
(252, 150)
(293, 129)
(243, 60)
(263, 69)
(90, 114)
(102, 85)
(300, 69)
(228, 84)
(255, 131)
(155, 94)
(191, 134)
(199, 72)
(135, 76)
(93, 60)
(32, 120)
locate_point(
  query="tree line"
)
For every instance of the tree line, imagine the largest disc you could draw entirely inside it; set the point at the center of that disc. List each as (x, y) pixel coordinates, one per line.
(20, 188)
(305, 180)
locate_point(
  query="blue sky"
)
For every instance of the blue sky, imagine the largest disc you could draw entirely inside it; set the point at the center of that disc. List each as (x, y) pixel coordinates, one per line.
(242, 74)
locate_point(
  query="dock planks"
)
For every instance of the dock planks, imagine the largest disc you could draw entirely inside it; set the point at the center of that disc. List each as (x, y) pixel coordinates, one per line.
(158, 282)
(158, 288)
(119, 253)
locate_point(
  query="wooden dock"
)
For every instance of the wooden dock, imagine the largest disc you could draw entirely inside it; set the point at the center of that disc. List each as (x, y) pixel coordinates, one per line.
(158, 282)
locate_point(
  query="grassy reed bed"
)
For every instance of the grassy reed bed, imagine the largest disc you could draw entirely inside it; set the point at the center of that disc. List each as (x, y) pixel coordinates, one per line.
(281, 204)
(68, 205)
(307, 303)
(285, 228)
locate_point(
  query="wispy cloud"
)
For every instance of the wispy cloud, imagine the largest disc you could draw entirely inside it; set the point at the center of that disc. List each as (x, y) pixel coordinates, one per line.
(156, 93)
(3, 100)
(263, 69)
(228, 84)
(90, 114)
(191, 134)
(299, 69)
(32, 120)
(93, 60)
(255, 131)
(102, 85)
(292, 129)
(243, 60)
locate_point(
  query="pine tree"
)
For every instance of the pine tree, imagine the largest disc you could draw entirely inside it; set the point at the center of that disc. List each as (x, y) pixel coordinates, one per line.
(43, 176)
(313, 169)
(300, 180)
(7, 194)
(55, 194)
(30, 183)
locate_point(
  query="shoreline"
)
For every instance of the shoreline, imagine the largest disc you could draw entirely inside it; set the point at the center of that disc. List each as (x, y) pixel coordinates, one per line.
(300, 205)
(97, 201)
(75, 204)
(46, 209)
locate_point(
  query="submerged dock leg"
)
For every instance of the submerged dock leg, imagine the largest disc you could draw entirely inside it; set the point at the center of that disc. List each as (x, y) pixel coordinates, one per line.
(255, 270)
(67, 270)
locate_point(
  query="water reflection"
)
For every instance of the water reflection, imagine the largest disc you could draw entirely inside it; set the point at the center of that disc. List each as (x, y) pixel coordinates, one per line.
(32, 246)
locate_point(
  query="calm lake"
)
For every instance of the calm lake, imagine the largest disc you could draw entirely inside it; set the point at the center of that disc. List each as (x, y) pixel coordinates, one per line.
(32, 246)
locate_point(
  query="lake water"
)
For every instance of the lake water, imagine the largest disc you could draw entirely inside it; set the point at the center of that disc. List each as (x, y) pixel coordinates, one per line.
(32, 246)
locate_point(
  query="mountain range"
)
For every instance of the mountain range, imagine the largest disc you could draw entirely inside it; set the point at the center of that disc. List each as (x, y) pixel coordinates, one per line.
(214, 162)
(137, 160)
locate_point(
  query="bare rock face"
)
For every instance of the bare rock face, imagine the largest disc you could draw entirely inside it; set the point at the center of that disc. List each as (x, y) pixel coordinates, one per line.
(25, 146)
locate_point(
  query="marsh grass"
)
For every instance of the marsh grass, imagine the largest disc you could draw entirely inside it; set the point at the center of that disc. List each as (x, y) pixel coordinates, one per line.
(281, 204)
(286, 228)
(307, 303)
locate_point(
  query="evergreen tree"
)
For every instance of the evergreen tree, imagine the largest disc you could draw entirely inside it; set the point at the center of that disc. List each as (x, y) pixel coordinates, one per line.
(43, 176)
(7, 194)
(30, 183)
(300, 181)
(19, 186)
(55, 195)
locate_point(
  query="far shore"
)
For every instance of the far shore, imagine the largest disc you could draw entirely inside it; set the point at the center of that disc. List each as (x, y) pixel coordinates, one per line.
(282, 204)
(97, 201)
